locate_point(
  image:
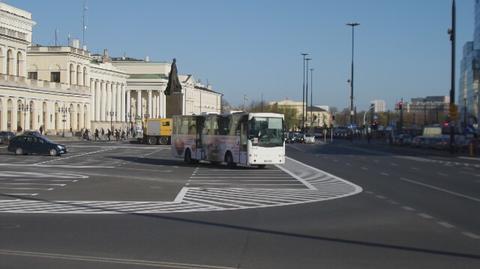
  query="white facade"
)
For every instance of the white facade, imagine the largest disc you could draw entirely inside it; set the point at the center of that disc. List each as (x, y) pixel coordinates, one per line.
(379, 106)
(58, 88)
(108, 87)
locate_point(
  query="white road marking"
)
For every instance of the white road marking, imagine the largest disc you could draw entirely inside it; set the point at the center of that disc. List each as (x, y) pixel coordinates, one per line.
(234, 177)
(29, 184)
(408, 208)
(306, 183)
(469, 158)
(26, 189)
(22, 194)
(442, 174)
(446, 224)
(381, 197)
(107, 260)
(364, 168)
(384, 174)
(75, 156)
(425, 216)
(471, 235)
(393, 202)
(441, 189)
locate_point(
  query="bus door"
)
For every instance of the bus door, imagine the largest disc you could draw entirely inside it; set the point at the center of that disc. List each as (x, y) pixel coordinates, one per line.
(243, 149)
(200, 152)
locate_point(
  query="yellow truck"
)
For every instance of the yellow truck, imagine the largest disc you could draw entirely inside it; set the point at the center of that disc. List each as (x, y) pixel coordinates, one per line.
(158, 131)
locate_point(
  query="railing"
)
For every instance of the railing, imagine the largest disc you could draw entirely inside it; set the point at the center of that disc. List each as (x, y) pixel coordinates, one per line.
(59, 49)
(9, 80)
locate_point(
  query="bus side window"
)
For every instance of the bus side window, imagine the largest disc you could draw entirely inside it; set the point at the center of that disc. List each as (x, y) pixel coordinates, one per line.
(192, 127)
(184, 126)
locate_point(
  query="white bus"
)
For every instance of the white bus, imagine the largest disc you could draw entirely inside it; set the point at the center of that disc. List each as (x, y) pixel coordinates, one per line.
(249, 139)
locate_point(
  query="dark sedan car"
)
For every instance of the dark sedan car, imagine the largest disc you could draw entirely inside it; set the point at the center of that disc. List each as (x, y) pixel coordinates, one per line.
(5, 137)
(25, 144)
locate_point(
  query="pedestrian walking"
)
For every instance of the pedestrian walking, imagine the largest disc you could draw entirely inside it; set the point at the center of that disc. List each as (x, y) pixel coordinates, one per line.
(96, 134)
(109, 134)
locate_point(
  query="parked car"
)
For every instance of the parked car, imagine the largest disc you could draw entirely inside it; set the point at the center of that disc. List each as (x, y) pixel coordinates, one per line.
(32, 133)
(309, 139)
(5, 137)
(29, 144)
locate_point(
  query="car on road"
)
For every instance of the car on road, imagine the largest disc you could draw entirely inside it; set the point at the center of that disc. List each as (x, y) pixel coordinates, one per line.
(309, 139)
(29, 144)
(5, 137)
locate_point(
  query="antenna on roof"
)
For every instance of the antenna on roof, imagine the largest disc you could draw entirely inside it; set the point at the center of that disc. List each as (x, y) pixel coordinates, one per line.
(84, 23)
(56, 37)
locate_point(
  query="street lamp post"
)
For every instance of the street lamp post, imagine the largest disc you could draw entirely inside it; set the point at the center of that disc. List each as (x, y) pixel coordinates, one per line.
(64, 110)
(311, 96)
(306, 90)
(353, 25)
(111, 114)
(303, 98)
(452, 32)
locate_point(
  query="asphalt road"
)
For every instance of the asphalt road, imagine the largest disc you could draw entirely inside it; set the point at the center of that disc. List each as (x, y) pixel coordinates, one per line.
(108, 205)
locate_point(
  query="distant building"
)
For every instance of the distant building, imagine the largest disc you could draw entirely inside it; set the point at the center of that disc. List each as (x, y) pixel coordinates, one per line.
(316, 117)
(468, 94)
(379, 106)
(428, 110)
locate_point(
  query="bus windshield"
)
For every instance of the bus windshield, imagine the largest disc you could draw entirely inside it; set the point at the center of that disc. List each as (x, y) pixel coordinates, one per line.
(266, 132)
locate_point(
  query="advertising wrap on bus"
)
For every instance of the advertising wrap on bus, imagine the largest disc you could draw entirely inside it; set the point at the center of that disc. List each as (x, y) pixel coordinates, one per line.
(250, 139)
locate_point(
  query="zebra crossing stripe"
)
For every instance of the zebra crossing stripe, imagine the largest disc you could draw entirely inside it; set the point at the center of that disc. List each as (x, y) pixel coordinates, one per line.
(322, 186)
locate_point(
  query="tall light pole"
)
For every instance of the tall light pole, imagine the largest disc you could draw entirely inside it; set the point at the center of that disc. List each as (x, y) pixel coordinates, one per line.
(303, 98)
(306, 90)
(353, 25)
(311, 97)
(453, 110)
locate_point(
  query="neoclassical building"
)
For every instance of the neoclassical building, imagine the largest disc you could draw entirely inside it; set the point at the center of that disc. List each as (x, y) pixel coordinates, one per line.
(58, 88)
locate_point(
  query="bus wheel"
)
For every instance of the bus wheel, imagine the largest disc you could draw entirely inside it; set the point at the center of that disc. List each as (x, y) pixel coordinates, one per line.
(152, 140)
(188, 157)
(163, 140)
(229, 160)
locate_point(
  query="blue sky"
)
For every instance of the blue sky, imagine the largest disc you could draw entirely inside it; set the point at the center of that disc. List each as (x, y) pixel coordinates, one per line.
(253, 46)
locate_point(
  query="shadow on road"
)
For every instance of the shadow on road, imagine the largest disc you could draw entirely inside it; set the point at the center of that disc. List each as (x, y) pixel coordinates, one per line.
(264, 231)
(177, 162)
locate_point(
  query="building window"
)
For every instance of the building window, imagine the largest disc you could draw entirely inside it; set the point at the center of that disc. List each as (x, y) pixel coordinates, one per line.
(55, 77)
(33, 75)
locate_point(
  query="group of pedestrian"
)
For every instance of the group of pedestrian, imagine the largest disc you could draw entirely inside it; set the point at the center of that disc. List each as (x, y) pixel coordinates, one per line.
(107, 134)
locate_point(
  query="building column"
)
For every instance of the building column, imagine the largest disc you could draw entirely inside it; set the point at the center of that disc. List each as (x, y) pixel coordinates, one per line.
(128, 109)
(157, 105)
(154, 105)
(74, 118)
(149, 104)
(103, 104)
(4, 125)
(14, 118)
(122, 103)
(81, 117)
(37, 111)
(87, 119)
(139, 103)
(98, 100)
(93, 98)
(108, 88)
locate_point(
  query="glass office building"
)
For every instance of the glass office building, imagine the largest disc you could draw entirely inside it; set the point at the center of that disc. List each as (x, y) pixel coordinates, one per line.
(468, 93)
